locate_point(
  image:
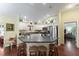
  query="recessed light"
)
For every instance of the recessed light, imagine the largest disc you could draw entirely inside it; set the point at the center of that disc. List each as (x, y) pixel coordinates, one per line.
(24, 17)
(44, 3)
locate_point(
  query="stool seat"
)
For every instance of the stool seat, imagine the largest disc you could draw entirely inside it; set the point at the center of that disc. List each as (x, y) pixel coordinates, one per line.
(42, 48)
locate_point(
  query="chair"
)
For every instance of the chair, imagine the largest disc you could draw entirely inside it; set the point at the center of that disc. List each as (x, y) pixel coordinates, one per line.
(22, 49)
(53, 50)
(12, 42)
(1, 42)
(33, 50)
(42, 51)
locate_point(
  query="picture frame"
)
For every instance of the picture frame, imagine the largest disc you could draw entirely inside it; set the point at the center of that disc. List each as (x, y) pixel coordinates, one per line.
(9, 27)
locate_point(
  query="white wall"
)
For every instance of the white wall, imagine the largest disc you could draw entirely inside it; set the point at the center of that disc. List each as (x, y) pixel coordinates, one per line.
(8, 34)
(71, 15)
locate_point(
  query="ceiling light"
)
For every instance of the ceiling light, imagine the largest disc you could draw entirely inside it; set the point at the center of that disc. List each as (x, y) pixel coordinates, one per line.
(44, 3)
(24, 17)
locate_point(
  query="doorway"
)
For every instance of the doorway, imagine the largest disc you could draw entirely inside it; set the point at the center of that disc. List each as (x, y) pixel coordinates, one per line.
(70, 33)
(1, 36)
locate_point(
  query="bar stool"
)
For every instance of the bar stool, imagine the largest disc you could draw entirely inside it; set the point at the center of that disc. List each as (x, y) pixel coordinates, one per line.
(42, 51)
(22, 49)
(53, 50)
(12, 41)
(33, 50)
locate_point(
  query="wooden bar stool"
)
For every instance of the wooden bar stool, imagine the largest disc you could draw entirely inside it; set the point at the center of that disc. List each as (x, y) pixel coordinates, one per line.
(21, 49)
(53, 50)
(33, 50)
(12, 42)
(42, 51)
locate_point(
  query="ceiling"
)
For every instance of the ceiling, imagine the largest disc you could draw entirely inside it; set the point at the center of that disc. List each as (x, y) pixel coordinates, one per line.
(33, 11)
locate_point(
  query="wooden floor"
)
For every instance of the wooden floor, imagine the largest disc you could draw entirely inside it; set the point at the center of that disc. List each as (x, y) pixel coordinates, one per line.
(1, 51)
(62, 51)
(68, 51)
(10, 51)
